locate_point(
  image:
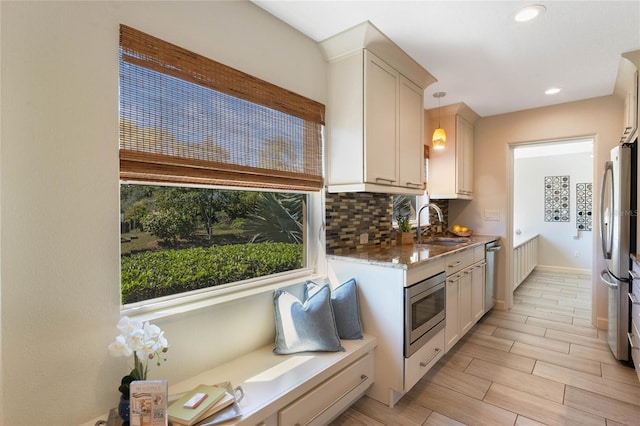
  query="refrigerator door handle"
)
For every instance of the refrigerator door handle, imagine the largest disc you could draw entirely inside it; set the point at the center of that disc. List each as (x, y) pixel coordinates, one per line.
(606, 281)
(606, 240)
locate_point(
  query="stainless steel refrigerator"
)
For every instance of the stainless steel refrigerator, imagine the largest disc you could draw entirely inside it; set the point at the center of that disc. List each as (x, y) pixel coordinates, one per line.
(617, 233)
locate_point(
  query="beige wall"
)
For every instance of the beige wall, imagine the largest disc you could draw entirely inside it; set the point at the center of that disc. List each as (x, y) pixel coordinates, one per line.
(599, 117)
(59, 213)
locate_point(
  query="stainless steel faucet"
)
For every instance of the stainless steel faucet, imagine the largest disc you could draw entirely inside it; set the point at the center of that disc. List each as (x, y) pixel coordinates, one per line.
(440, 219)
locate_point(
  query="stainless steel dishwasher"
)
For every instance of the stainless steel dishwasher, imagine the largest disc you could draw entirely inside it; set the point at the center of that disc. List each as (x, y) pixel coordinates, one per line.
(491, 257)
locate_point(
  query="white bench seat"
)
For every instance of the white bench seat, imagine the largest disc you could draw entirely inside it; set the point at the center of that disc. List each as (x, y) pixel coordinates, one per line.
(304, 388)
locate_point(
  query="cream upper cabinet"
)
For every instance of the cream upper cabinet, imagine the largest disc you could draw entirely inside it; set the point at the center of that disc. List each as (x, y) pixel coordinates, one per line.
(381, 122)
(464, 157)
(631, 108)
(451, 169)
(626, 88)
(375, 115)
(411, 141)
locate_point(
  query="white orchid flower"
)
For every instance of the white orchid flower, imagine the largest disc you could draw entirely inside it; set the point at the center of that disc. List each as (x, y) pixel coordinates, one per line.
(135, 339)
(128, 326)
(142, 340)
(119, 347)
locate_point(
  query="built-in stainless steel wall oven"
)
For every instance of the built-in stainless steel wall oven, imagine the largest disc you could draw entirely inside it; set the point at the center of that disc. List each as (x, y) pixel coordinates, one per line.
(424, 312)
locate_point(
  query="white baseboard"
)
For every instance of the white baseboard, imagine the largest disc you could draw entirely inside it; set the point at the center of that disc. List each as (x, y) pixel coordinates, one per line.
(562, 270)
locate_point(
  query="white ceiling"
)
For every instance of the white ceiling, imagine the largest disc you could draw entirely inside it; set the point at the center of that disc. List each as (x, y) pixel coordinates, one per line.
(480, 55)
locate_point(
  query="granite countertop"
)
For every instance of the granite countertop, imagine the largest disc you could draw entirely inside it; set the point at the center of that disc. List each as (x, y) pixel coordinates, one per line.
(408, 256)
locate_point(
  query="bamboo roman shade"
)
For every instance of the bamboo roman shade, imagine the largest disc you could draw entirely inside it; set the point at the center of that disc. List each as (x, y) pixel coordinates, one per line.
(188, 119)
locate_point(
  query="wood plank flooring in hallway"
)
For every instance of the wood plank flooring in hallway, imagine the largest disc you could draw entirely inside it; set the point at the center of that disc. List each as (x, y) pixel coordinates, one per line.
(539, 363)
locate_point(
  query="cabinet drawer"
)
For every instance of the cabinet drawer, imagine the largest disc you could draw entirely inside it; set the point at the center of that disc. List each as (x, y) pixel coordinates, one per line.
(635, 302)
(634, 295)
(419, 363)
(634, 341)
(458, 261)
(320, 405)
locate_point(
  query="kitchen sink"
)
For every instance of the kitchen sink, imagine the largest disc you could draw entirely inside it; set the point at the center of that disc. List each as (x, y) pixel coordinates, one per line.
(445, 241)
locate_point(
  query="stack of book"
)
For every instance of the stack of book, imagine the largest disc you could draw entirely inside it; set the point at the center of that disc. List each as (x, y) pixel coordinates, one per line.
(204, 405)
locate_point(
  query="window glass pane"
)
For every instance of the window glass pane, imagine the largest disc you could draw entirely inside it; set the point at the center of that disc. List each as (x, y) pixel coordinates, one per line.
(178, 239)
(404, 205)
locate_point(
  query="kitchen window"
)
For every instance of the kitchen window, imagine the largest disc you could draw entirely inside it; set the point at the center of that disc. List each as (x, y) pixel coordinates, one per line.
(218, 172)
(408, 205)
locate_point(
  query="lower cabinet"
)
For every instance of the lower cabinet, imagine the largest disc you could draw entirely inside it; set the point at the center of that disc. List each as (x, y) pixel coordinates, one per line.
(381, 289)
(464, 302)
(477, 290)
(464, 295)
(452, 325)
(634, 335)
(320, 405)
(420, 362)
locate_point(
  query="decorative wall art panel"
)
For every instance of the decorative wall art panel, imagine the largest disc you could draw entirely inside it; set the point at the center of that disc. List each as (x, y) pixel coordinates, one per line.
(584, 196)
(556, 198)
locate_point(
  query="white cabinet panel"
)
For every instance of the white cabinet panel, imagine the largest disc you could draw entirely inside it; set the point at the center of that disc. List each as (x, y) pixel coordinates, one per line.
(477, 291)
(452, 323)
(410, 139)
(375, 114)
(326, 401)
(419, 363)
(464, 302)
(464, 293)
(381, 130)
(464, 157)
(451, 169)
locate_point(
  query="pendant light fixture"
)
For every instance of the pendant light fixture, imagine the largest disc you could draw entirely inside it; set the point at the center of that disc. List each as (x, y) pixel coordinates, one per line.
(439, 136)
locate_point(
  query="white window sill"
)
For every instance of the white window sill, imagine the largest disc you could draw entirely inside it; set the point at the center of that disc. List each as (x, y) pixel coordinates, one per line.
(198, 299)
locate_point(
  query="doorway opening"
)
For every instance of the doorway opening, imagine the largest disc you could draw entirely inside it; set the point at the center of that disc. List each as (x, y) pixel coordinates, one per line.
(551, 205)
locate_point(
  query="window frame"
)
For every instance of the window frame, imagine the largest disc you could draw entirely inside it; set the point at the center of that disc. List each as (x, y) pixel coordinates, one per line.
(178, 303)
(148, 168)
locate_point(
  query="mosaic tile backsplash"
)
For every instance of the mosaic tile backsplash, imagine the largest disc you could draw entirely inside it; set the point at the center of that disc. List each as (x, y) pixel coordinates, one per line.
(350, 214)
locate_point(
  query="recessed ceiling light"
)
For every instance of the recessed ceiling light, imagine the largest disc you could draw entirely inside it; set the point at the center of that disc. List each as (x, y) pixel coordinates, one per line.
(552, 91)
(530, 12)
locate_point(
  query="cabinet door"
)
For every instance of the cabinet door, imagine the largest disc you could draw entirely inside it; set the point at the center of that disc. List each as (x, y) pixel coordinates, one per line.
(410, 143)
(464, 304)
(451, 330)
(477, 291)
(325, 401)
(464, 156)
(381, 130)
(631, 110)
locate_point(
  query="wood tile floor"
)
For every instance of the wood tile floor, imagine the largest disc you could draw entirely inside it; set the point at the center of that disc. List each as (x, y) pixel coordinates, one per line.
(539, 363)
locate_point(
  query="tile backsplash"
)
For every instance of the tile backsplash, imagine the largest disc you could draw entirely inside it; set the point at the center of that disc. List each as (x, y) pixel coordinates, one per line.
(351, 214)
